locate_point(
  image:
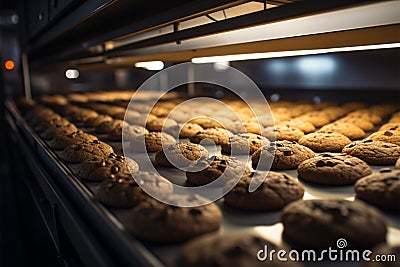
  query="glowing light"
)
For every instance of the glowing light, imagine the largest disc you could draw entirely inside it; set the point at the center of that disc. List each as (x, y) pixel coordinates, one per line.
(72, 74)
(221, 66)
(9, 65)
(316, 65)
(150, 65)
(239, 57)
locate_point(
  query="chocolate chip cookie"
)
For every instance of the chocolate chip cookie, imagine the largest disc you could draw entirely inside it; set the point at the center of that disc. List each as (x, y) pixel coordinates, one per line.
(96, 121)
(391, 126)
(284, 155)
(325, 141)
(361, 123)
(211, 136)
(388, 136)
(300, 124)
(108, 126)
(156, 125)
(347, 129)
(58, 128)
(106, 168)
(381, 189)
(329, 169)
(238, 127)
(319, 223)
(129, 132)
(245, 143)
(282, 132)
(122, 191)
(374, 152)
(186, 130)
(85, 151)
(181, 154)
(60, 142)
(365, 114)
(275, 192)
(316, 118)
(214, 167)
(228, 249)
(158, 222)
(153, 142)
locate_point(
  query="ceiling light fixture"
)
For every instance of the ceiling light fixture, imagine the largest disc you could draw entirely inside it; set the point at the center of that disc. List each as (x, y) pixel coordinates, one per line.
(150, 65)
(251, 56)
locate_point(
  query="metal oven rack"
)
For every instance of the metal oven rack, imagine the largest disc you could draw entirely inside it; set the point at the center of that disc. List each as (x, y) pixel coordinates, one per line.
(97, 233)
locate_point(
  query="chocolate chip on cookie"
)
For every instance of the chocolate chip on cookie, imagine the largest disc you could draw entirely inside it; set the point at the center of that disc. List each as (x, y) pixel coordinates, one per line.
(381, 189)
(181, 154)
(284, 155)
(319, 223)
(329, 169)
(275, 191)
(374, 152)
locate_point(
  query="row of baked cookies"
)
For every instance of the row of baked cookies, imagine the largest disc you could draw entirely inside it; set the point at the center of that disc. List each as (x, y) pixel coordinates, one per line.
(148, 219)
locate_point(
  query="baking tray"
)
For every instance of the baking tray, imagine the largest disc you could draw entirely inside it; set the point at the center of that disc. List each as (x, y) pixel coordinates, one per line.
(108, 220)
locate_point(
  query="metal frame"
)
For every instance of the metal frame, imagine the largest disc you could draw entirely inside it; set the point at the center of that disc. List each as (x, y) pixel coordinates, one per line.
(191, 9)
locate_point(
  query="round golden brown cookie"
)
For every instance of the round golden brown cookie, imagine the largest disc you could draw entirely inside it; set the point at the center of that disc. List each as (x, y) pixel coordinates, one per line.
(158, 222)
(365, 114)
(153, 142)
(282, 132)
(391, 256)
(61, 128)
(391, 126)
(347, 129)
(388, 136)
(319, 223)
(108, 126)
(351, 106)
(181, 154)
(325, 141)
(139, 119)
(276, 190)
(184, 131)
(129, 132)
(394, 120)
(300, 124)
(156, 125)
(361, 123)
(206, 122)
(245, 143)
(211, 136)
(50, 122)
(381, 189)
(214, 167)
(82, 114)
(96, 121)
(384, 110)
(60, 142)
(316, 118)
(122, 191)
(229, 249)
(284, 155)
(237, 127)
(106, 168)
(374, 152)
(329, 169)
(85, 151)
(334, 113)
